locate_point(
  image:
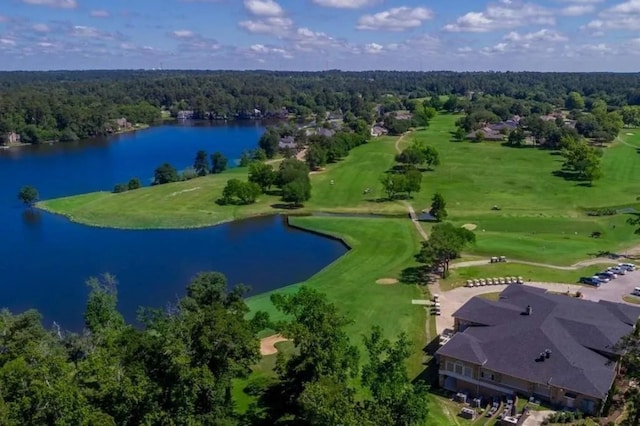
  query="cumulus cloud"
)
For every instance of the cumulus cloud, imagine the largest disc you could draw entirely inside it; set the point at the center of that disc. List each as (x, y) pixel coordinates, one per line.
(395, 19)
(500, 16)
(182, 34)
(261, 49)
(62, 4)
(577, 10)
(275, 26)
(41, 28)
(623, 16)
(373, 48)
(542, 35)
(263, 7)
(346, 4)
(82, 31)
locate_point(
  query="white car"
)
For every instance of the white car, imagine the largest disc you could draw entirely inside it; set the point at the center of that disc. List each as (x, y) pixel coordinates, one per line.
(627, 266)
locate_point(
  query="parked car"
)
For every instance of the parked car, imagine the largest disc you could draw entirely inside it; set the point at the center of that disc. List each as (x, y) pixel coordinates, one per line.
(608, 274)
(602, 277)
(617, 270)
(636, 291)
(628, 266)
(591, 281)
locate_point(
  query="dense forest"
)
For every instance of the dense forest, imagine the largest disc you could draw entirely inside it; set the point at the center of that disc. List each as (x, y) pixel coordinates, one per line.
(65, 105)
(180, 367)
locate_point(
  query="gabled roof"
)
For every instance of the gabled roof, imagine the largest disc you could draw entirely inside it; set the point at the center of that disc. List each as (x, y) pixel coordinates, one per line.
(580, 335)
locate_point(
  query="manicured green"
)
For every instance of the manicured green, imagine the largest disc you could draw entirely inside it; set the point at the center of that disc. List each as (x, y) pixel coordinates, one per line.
(192, 203)
(350, 282)
(458, 277)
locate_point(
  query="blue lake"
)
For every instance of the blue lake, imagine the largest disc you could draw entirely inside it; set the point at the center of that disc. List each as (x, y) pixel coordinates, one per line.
(45, 259)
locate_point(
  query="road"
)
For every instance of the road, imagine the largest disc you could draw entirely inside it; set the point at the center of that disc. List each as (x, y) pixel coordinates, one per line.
(612, 291)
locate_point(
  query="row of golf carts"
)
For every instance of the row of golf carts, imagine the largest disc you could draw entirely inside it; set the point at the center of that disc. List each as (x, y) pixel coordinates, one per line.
(495, 281)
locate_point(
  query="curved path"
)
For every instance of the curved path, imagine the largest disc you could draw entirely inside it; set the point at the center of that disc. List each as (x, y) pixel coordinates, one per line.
(575, 266)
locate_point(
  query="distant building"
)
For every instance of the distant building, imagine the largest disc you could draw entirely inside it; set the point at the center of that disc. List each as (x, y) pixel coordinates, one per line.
(378, 131)
(555, 348)
(185, 115)
(11, 138)
(325, 132)
(488, 134)
(287, 142)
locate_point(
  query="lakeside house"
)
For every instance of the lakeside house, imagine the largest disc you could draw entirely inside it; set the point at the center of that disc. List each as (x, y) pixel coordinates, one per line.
(287, 142)
(11, 138)
(555, 348)
(378, 130)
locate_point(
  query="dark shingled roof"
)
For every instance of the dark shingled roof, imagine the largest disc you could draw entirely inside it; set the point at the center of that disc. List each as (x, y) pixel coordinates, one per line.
(577, 332)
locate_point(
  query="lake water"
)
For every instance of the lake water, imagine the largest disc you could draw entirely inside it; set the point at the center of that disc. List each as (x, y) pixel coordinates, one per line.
(46, 259)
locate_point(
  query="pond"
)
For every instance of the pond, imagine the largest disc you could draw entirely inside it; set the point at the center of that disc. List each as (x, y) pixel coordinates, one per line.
(45, 259)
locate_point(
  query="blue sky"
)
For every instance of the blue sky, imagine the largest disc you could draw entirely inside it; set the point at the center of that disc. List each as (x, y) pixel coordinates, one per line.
(537, 35)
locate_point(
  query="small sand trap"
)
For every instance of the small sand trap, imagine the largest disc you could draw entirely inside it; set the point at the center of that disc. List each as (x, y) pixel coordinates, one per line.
(267, 345)
(387, 281)
(470, 226)
(629, 134)
(173, 194)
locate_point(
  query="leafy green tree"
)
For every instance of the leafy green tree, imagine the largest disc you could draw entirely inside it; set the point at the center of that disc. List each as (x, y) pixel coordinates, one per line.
(119, 188)
(101, 313)
(459, 134)
(430, 112)
(291, 169)
(269, 142)
(411, 156)
(297, 191)
(324, 350)
(245, 159)
(445, 243)
(330, 402)
(435, 102)
(393, 184)
(451, 104)
(28, 195)
(262, 174)
(438, 207)
(134, 183)
(431, 156)
(395, 399)
(516, 137)
(479, 136)
(218, 162)
(165, 173)
(316, 156)
(413, 181)
(201, 163)
(574, 101)
(238, 192)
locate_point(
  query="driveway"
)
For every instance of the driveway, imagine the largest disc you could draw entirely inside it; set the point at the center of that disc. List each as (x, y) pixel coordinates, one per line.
(614, 290)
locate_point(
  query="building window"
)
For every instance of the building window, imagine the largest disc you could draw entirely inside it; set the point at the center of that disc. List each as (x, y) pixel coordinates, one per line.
(468, 372)
(487, 375)
(449, 366)
(458, 369)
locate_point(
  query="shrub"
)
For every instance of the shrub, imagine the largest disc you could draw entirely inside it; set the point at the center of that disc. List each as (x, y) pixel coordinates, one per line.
(189, 173)
(602, 212)
(121, 187)
(134, 183)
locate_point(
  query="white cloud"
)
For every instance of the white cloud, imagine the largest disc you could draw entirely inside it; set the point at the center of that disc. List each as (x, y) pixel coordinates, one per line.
(395, 19)
(183, 34)
(623, 16)
(501, 16)
(275, 26)
(540, 36)
(82, 31)
(62, 4)
(7, 41)
(261, 49)
(373, 48)
(263, 7)
(346, 4)
(577, 10)
(101, 13)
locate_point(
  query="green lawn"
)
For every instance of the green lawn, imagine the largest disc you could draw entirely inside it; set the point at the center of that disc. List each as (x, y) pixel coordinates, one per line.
(350, 282)
(459, 276)
(192, 203)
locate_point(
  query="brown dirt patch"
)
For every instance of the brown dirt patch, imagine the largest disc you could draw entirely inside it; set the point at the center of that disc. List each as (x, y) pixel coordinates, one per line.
(267, 345)
(470, 226)
(387, 281)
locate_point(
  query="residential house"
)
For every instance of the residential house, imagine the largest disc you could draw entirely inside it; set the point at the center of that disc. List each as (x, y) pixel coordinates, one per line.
(556, 348)
(287, 142)
(378, 131)
(325, 132)
(122, 124)
(11, 138)
(488, 134)
(185, 115)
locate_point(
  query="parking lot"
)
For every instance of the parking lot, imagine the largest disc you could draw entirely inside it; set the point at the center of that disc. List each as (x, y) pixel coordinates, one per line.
(614, 291)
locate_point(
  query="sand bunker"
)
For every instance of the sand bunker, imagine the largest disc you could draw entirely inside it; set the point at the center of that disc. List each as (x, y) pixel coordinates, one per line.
(470, 226)
(267, 345)
(629, 134)
(387, 281)
(173, 194)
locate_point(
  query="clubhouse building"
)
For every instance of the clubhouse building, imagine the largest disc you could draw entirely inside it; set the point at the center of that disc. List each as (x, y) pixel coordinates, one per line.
(552, 347)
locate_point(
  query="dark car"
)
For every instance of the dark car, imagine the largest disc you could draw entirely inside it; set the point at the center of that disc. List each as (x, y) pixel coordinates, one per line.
(591, 281)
